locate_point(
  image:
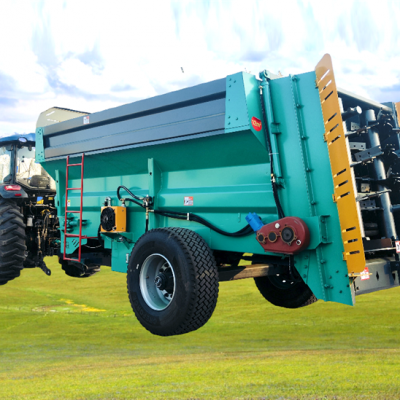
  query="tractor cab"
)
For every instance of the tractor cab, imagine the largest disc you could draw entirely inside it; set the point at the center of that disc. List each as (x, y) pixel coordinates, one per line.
(20, 174)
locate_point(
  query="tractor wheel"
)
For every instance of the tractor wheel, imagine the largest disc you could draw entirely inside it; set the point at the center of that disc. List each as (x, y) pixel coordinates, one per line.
(284, 291)
(172, 281)
(12, 241)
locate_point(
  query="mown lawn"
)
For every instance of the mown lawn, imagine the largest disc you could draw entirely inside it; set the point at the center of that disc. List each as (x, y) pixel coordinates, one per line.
(66, 338)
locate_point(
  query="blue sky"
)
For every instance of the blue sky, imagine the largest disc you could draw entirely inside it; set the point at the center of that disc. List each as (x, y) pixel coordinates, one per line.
(92, 55)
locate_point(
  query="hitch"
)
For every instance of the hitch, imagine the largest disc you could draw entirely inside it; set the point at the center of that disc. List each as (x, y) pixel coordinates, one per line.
(43, 267)
(39, 263)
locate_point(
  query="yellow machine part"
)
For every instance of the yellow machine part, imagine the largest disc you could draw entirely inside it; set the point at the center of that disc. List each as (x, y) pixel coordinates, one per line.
(120, 219)
(344, 193)
(398, 110)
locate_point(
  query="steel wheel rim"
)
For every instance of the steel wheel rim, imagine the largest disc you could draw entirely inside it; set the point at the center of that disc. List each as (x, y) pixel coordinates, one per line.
(157, 266)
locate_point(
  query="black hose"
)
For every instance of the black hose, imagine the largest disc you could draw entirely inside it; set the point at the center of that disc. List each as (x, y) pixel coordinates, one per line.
(279, 208)
(133, 201)
(128, 191)
(247, 230)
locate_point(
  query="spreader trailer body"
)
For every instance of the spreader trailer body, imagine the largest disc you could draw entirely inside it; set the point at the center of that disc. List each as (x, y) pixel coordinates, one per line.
(290, 174)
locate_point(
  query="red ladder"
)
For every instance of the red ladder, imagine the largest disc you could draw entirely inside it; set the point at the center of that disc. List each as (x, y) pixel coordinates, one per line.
(75, 212)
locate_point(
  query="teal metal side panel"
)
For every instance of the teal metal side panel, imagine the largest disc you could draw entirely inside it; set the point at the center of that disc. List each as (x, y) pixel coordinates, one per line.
(242, 104)
(155, 182)
(227, 176)
(120, 252)
(308, 184)
(39, 147)
(236, 116)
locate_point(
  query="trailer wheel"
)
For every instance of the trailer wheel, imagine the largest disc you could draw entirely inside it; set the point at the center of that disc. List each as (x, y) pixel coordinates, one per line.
(284, 291)
(12, 241)
(172, 281)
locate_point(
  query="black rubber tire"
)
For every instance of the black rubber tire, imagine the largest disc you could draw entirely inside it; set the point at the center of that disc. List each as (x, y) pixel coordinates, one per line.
(12, 241)
(196, 281)
(292, 294)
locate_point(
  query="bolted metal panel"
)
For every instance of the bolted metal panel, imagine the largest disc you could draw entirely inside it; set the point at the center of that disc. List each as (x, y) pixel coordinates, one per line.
(344, 195)
(308, 185)
(236, 115)
(39, 145)
(243, 108)
(378, 275)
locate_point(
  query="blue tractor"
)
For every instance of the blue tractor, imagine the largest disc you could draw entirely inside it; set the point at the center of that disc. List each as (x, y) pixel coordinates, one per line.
(28, 220)
(29, 226)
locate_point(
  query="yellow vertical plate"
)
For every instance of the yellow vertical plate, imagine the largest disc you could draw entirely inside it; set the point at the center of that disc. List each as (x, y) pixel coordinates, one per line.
(398, 110)
(344, 195)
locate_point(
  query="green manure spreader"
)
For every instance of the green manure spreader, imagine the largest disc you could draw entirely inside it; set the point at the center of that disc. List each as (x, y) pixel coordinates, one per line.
(292, 175)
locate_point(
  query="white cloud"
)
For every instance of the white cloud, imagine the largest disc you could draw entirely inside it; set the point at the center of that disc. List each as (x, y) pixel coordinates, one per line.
(91, 55)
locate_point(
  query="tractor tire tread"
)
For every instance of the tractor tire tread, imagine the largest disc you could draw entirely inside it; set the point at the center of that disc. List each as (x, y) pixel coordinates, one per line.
(12, 241)
(300, 295)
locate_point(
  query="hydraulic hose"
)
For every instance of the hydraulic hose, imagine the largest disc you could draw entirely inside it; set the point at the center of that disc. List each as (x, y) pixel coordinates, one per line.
(279, 208)
(247, 230)
(132, 195)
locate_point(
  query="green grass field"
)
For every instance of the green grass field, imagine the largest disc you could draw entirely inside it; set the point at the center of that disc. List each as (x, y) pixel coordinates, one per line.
(66, 338)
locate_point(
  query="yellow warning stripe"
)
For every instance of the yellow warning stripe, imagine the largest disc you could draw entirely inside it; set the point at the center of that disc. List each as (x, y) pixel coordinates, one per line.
(344, 195)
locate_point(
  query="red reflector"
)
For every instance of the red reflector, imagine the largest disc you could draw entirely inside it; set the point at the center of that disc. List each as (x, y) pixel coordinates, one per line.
(17, 194)
(12, 187)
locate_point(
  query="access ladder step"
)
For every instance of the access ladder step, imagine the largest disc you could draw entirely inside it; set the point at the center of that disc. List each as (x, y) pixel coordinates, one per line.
(67, 189)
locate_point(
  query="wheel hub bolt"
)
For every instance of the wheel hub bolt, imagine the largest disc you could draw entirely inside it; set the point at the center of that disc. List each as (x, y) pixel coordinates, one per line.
(161, 281)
